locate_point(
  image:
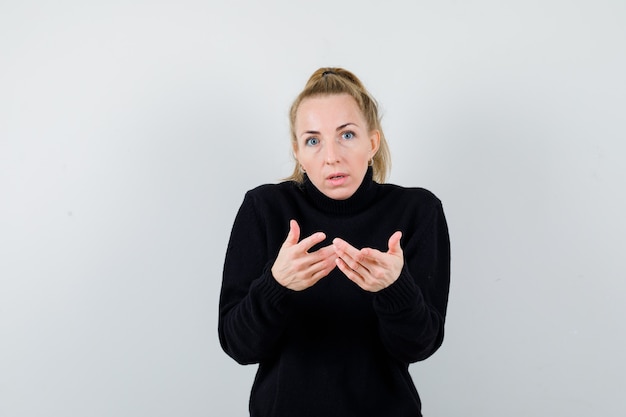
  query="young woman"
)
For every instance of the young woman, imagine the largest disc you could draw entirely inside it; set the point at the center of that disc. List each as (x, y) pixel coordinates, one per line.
(334, 282)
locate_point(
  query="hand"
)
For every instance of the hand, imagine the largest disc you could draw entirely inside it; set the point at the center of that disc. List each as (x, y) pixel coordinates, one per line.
(369, 268)
(298, 269)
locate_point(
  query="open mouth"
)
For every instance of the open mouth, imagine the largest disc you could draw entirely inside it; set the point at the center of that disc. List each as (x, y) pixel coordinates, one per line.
(337, 179)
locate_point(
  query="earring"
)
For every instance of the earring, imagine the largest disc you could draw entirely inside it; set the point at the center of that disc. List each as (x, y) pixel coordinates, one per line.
(302, 169)
(370, 163)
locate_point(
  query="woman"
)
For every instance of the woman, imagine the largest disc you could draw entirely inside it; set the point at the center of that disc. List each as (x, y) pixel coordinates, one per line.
(334, 282)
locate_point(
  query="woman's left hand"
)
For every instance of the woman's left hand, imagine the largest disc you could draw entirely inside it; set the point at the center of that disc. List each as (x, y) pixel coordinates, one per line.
(369, 268)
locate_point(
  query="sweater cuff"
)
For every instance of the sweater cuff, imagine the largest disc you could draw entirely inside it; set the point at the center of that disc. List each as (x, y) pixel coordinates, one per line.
(401, 295)
(270, 290)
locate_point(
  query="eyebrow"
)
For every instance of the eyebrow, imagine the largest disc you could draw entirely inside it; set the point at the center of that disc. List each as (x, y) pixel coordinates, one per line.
(315, 132)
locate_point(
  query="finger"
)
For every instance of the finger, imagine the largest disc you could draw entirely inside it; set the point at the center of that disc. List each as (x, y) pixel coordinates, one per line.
(344, 248)
(325, 253)
(310, 241)
(394, 243)
(321, 260)
(359, 265)
(320, 268)
(360, 261)
(350, 273)
(323, 267)
(318, 275)
(294, 233)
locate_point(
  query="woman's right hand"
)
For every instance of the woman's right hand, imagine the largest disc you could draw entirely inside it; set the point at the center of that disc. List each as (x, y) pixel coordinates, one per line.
(298, 269)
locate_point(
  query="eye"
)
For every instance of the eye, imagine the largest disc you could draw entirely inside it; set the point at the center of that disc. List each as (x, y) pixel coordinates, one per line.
(312, 141)
(347, 135)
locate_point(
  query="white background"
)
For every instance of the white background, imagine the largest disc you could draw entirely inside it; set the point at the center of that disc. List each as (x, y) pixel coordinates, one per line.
(130, 130)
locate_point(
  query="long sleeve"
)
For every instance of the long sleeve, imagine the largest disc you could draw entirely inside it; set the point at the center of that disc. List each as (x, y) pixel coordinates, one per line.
(412, 311)
(252, 311)
(335, 349)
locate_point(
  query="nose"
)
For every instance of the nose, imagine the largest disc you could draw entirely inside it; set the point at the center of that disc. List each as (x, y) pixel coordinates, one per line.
(332, 152)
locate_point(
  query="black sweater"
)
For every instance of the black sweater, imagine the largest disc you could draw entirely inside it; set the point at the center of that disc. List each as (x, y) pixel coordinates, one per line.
(335, 349)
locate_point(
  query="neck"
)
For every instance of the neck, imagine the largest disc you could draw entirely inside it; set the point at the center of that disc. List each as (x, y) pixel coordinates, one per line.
(362, 197)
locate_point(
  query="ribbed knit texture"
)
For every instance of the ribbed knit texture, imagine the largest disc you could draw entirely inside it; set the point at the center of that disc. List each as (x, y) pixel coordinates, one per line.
(335, 349)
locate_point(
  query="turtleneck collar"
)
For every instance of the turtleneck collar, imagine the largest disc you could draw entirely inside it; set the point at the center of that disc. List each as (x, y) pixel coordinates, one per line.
(362, 197)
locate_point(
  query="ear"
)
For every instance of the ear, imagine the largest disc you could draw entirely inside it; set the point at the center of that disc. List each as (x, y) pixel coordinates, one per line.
(296, 152)
(294, 148)
(374, 141)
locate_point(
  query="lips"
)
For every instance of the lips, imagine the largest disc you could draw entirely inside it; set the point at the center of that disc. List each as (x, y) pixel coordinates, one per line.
(337, 179)
(336, 176)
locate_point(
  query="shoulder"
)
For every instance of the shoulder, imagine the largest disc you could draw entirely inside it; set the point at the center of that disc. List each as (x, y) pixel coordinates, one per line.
(272, 196)
(418, 209)
(415, 205)
(271, 191)
(409, 195)
(268, 202)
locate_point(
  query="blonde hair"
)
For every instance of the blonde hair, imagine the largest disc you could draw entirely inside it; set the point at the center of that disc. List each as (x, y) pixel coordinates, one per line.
(330, 81)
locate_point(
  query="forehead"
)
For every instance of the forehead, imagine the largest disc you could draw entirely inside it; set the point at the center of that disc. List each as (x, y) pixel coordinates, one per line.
(336, 109)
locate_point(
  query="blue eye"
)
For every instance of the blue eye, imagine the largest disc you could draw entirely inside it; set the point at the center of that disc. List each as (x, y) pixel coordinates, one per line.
(312, 141)
(347, 135)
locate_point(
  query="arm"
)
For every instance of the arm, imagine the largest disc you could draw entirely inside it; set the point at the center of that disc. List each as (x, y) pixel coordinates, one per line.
(253, 306)
(253, 311)
(412, 310)
(411, 285)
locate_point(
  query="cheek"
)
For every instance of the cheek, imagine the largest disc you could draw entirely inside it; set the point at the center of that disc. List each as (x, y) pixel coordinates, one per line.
(362, 158)
(305, 161)
(308, 156)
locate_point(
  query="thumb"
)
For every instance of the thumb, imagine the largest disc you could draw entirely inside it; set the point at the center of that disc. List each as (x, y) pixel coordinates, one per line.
(294, 233)
(394, 243)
